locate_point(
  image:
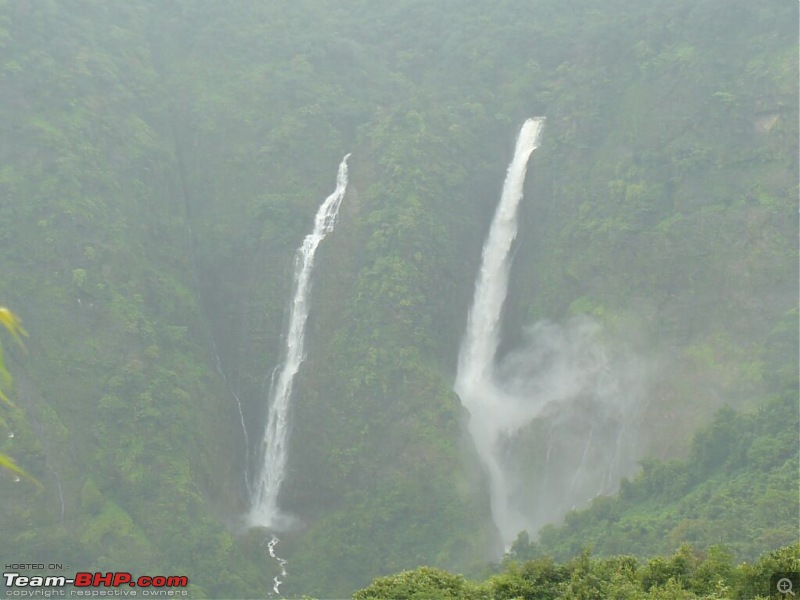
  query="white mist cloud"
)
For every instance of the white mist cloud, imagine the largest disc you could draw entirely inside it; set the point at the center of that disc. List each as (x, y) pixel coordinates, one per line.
(557, 422)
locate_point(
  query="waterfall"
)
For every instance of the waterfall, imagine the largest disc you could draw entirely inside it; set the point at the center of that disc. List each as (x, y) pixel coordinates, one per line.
(583, 396)
(490, 415)
(264, 510)
(246, 439)
(476, 356)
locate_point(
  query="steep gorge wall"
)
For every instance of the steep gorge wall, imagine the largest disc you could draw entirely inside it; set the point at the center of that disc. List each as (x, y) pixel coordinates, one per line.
(188, 147)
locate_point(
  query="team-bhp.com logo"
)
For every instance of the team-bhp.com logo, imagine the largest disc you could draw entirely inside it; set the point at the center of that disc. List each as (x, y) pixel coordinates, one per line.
(95, 580)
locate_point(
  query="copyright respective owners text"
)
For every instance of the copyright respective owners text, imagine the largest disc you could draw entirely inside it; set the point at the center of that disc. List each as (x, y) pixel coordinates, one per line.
(60, 580)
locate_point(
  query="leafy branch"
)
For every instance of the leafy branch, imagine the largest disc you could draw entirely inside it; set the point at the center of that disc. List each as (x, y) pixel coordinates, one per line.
(12, 324)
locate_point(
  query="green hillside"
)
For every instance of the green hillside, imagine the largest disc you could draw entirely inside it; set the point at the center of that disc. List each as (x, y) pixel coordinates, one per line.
(738, 487)
(685, 575)
(160, 163)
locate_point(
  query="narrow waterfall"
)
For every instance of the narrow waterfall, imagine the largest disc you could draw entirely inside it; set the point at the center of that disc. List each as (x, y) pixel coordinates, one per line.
(476, 357)
(246, 438)
(490, 414)
(264, 510)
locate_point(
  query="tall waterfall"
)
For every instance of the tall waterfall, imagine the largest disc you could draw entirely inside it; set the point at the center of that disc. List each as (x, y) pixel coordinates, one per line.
(491, 414)
(555, 420)
(264, 510)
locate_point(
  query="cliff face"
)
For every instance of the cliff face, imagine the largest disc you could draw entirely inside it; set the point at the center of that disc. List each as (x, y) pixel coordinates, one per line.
(160, 165)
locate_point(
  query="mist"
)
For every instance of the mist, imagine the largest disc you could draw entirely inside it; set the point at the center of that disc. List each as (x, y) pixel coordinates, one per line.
(555, 421)
(564, 423)
(209, 389)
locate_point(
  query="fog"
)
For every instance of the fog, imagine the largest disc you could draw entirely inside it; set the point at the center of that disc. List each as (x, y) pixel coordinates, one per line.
(436, 384)
(575, 402)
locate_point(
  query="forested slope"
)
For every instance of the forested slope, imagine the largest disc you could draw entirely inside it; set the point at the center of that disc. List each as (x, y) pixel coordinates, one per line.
(160, 164)
(685, 575)
(738, 487)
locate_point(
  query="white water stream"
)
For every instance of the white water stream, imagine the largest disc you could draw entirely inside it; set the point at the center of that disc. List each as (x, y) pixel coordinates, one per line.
(491, 413)
(264, 510)
(273, 451)
(555, 420)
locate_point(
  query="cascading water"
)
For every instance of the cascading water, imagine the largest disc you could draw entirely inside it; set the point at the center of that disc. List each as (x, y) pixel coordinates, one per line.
(278, 579)
(555, 421)
(264, 510)
(246, 439)
(479, 346)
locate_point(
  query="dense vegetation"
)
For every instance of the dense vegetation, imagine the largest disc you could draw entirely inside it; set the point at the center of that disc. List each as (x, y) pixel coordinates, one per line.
(738, 486)
(686, 575)
(161, 162)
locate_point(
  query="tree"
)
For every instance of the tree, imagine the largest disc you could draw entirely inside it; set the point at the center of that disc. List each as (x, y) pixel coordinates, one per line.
(422, 584)
(12, 324)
